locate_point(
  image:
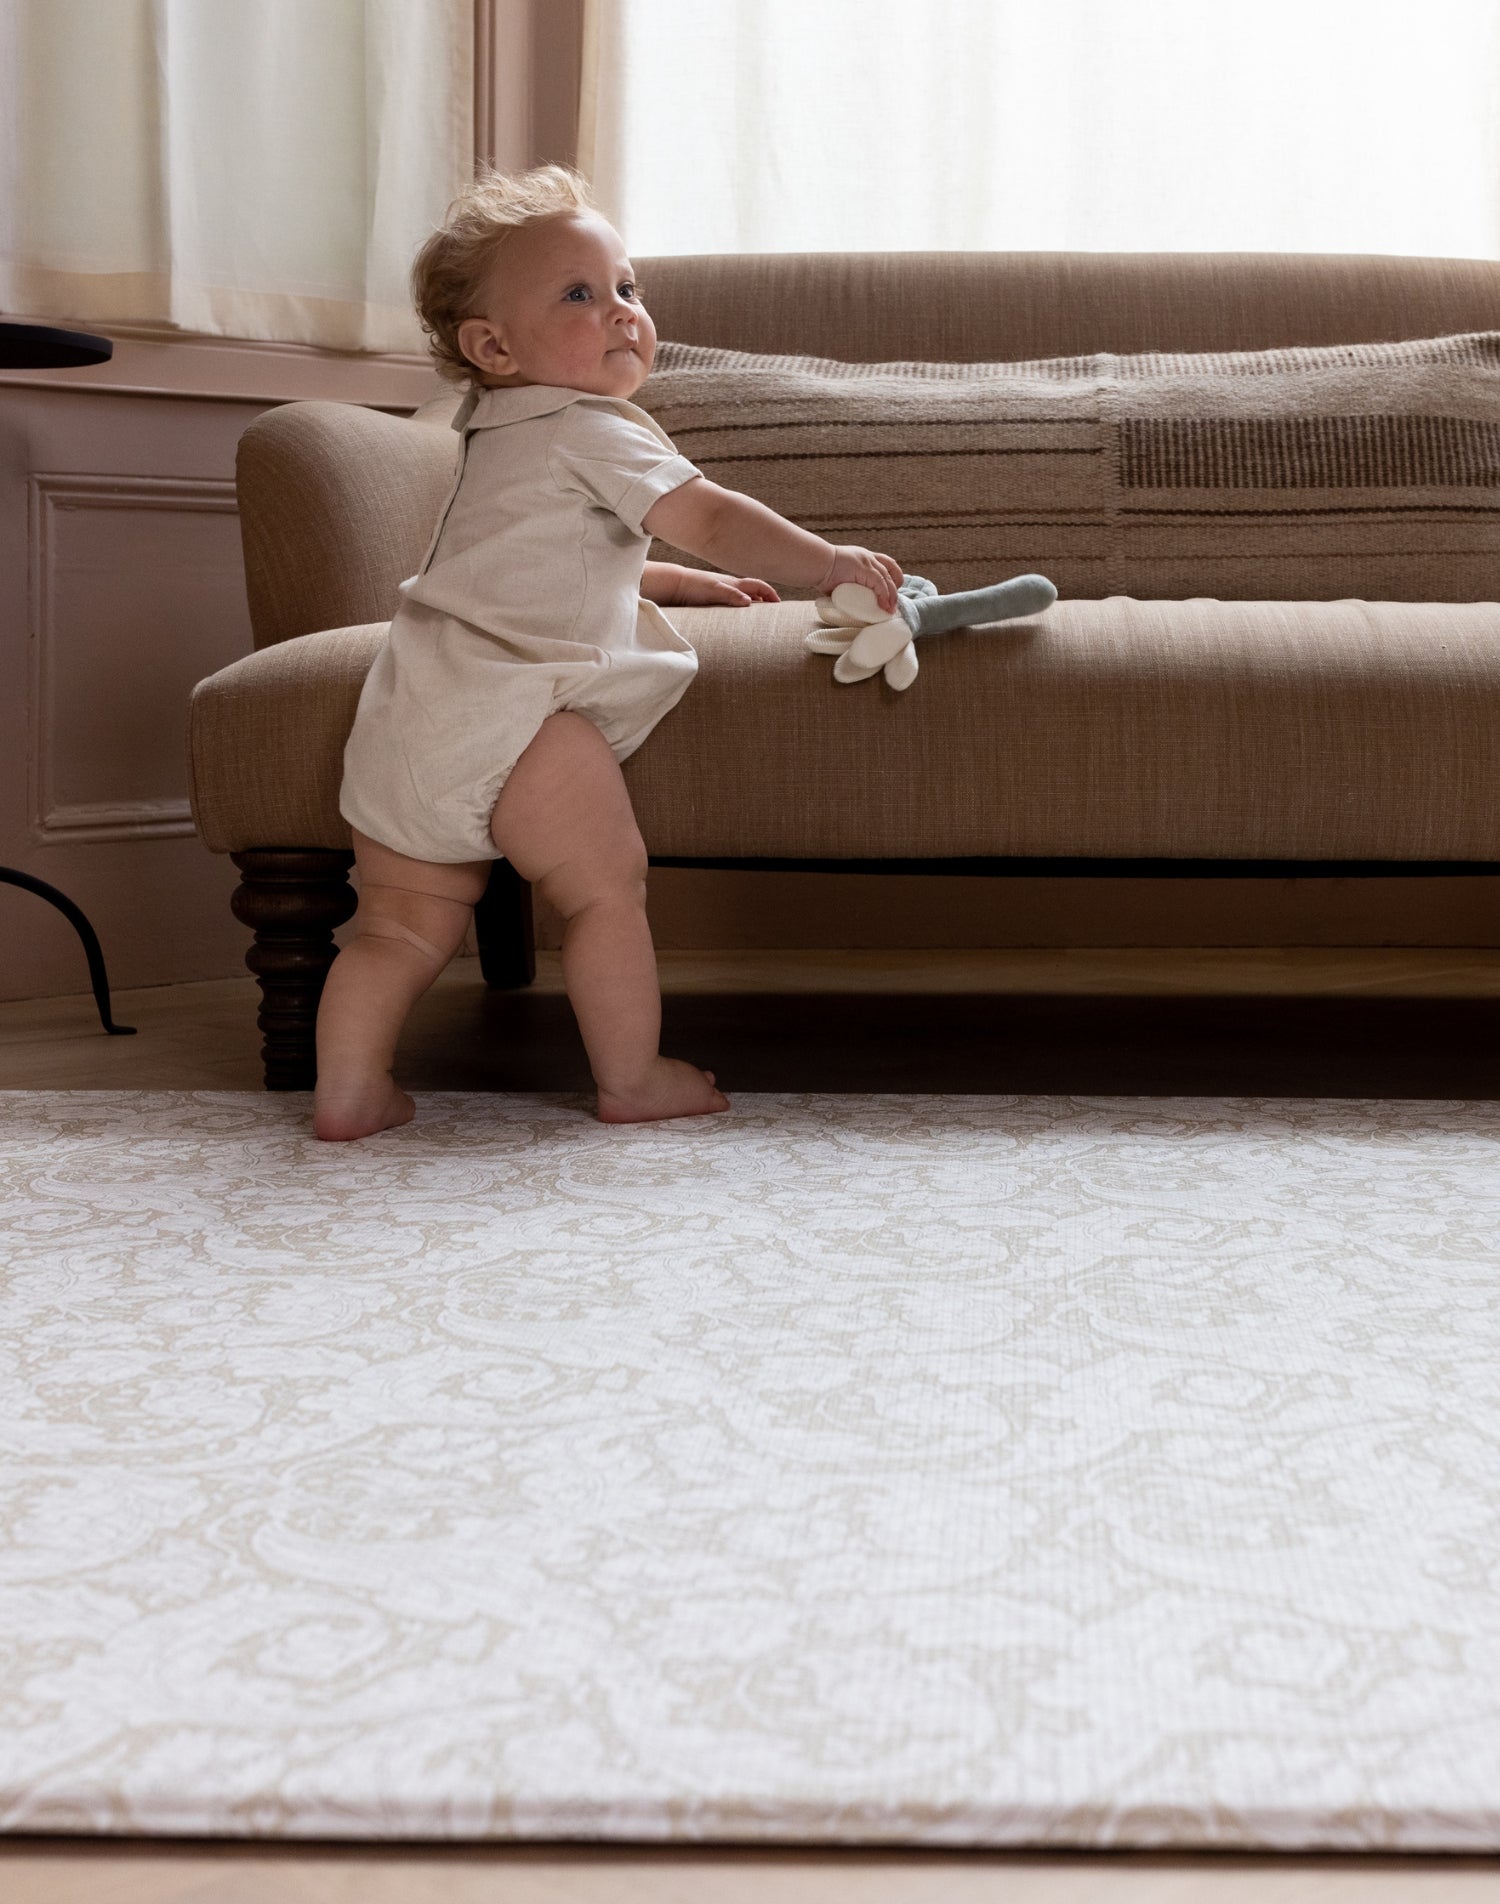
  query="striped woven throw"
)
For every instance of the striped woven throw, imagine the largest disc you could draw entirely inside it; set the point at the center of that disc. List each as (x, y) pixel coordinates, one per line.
(1304, 474)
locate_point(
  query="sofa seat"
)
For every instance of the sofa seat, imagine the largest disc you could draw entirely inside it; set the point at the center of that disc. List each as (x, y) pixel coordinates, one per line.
(1115, 728)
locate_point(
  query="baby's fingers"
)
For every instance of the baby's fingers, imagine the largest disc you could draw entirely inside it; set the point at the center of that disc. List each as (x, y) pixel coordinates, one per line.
(876, 577)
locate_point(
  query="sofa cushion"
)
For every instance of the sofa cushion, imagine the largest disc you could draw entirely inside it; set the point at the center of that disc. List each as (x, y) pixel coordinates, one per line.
(1314, 730)
(265, 743)
(1300, 474)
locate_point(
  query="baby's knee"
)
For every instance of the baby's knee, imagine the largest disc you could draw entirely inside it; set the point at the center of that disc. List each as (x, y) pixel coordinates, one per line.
(430, 924)
(597, 878)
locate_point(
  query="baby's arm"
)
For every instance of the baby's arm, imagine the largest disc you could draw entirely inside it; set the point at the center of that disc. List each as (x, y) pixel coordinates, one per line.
(723, 526)
(673, 586)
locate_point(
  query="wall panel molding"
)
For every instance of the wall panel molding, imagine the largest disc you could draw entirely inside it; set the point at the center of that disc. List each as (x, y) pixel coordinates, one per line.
(54, 500)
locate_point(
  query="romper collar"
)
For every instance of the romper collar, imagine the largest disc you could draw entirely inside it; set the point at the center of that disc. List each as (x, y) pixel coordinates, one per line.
(482, 409)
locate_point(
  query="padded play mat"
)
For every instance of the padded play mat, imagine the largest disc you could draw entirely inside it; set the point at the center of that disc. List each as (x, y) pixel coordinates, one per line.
(936, 1470)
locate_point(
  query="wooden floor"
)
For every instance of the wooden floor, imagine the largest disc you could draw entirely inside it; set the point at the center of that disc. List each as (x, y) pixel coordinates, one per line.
(1140, 1022)
(1387, 1023)
(71, 1872)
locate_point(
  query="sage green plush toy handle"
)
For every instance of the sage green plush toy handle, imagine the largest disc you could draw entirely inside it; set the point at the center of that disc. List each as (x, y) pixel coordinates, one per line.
(928, 613)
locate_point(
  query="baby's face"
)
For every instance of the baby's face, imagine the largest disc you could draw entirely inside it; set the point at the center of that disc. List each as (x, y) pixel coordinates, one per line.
(561, 307)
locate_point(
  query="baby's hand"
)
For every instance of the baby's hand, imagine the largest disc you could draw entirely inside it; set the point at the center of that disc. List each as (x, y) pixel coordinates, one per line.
(701, 588)
(881, 574)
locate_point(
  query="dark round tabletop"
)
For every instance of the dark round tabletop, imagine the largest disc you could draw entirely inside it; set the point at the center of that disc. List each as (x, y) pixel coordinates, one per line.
(45, 347)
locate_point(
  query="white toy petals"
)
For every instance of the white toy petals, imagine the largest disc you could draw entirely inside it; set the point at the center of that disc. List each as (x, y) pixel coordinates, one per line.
(846, 668)
(833, 616)
(901, 669)
(872, 647)
(857, 602)
(863, 637)
(830, 643)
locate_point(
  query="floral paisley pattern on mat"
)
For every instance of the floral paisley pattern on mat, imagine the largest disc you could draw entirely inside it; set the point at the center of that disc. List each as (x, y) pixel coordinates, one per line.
(944, 1470)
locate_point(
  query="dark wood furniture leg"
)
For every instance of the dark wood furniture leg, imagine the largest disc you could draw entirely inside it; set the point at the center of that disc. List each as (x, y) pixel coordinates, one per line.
(503, 926)
(292, 898)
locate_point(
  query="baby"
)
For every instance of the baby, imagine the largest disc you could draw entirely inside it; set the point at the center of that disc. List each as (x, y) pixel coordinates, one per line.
(529, 655)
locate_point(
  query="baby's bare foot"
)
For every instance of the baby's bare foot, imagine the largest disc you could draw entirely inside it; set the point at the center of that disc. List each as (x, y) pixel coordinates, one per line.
(671, 1088)
(359, 1109)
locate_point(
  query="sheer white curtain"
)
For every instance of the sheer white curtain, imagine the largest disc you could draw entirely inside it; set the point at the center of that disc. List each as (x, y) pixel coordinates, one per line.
(245, 168)
(1046, 125)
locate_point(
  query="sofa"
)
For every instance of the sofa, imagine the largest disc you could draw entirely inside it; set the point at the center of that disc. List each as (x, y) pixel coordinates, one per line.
(1123, 733)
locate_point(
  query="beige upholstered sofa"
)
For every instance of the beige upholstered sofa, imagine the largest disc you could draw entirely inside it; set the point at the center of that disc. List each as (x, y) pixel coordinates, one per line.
(1139, 735)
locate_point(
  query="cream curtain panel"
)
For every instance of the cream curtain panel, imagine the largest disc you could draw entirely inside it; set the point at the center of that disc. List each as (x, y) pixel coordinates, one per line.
(1046, 125)
(244, 168)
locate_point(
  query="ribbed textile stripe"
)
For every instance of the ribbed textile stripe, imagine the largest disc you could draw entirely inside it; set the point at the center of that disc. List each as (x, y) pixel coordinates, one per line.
(1355, 452)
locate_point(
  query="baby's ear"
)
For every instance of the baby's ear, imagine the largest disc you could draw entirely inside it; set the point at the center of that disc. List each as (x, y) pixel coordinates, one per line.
(481, 343)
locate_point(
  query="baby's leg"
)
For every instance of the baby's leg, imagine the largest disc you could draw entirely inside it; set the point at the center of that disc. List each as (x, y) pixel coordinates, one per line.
(411, 920)
(564, 821)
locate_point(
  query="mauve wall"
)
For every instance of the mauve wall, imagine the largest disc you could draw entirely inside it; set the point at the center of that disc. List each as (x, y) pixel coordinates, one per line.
(122, 585)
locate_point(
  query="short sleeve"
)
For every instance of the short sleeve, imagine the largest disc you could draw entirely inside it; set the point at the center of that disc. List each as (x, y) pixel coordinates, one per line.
(616, 462)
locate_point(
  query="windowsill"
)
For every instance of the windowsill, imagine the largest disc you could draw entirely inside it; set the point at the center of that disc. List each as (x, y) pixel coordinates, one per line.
(157, 362)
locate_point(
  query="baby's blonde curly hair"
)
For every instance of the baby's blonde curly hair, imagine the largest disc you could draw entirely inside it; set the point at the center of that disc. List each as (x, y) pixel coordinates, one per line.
(449, 273)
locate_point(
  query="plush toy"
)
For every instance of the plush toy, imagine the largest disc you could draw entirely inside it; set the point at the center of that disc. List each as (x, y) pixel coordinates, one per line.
(888, 641)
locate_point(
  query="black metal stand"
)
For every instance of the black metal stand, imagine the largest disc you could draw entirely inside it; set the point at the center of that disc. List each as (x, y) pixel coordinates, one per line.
(90, 943)
(45, 347)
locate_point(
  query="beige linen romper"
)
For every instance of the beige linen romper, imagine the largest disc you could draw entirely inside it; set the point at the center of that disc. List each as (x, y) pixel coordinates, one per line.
(527, 602)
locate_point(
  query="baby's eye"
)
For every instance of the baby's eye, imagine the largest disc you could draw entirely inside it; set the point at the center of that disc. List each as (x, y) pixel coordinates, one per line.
(577, 287)
(630, 289)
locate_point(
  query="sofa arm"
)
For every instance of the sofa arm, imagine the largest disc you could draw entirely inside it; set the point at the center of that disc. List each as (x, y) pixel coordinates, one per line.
(337, 505)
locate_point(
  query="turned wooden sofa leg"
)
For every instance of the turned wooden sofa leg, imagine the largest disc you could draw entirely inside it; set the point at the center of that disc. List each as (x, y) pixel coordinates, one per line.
(292, 898)
(503, 926)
